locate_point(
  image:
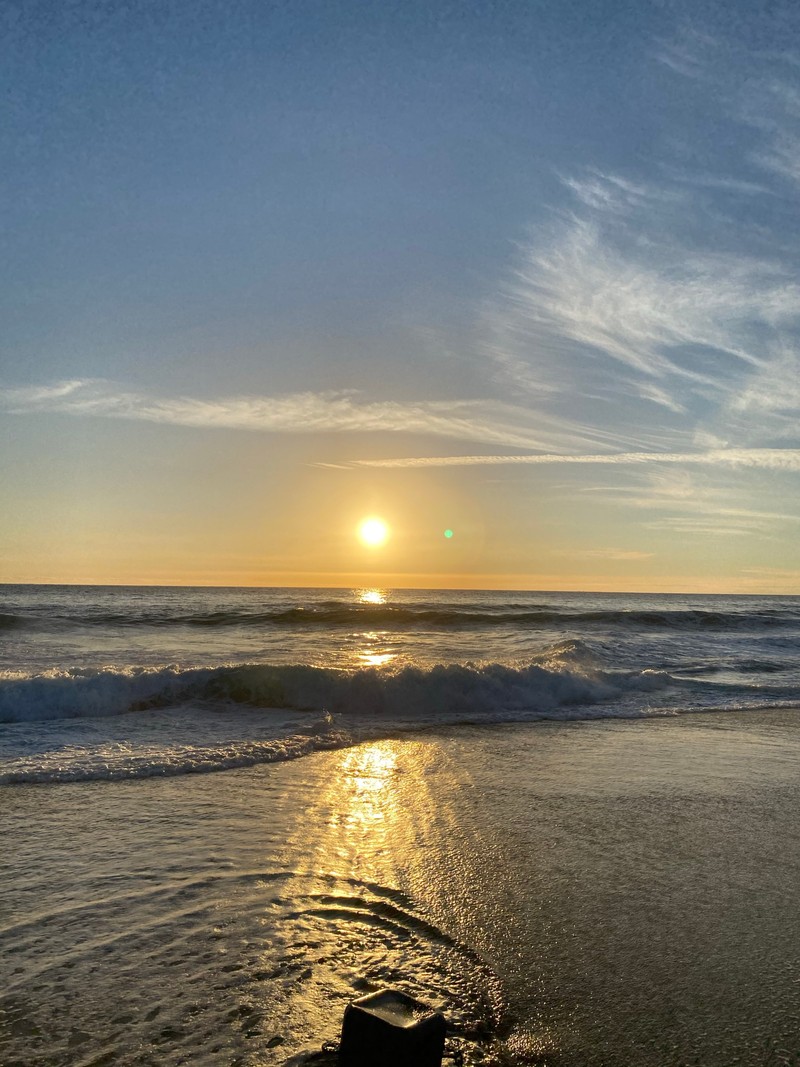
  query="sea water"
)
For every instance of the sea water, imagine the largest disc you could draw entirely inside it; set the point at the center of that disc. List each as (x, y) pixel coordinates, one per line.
(567, 821)
(129, 682)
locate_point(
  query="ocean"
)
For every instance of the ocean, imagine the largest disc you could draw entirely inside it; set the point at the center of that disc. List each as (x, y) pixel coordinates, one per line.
(568, 821)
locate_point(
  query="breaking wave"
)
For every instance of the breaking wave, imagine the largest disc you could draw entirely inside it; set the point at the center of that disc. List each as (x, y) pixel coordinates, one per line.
(168, 721)
(443, 692)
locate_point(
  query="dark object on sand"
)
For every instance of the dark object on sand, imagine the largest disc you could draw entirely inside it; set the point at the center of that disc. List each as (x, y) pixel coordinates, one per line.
(391, 1029)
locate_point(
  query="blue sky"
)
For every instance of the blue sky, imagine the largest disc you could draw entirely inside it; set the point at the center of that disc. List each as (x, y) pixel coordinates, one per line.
(523, 270)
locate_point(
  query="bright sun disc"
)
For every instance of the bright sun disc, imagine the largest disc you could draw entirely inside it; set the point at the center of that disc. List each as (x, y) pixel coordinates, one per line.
(373, 532)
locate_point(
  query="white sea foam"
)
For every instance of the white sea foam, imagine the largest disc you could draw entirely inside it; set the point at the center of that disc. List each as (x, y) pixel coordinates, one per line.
(135, 723)
(558, 678)
(111, 762)
(160, 742)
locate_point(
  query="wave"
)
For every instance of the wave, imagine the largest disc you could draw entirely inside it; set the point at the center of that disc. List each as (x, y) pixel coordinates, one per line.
(109, 763)
(386, 616)
(563, 675)
(169, 721)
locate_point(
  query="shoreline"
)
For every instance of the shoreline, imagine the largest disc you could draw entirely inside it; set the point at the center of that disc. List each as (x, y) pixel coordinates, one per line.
(121, 747)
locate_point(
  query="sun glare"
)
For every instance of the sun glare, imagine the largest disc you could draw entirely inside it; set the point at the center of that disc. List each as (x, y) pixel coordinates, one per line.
(373, 532)
(371, 596)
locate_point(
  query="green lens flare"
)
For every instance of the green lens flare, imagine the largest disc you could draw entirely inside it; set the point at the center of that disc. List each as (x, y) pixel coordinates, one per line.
(448, 534)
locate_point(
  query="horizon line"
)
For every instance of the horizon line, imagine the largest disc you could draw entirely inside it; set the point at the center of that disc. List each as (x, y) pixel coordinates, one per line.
(386, 586)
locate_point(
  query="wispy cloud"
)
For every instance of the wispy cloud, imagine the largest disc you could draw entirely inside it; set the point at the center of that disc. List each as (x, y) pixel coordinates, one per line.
(756, 88)
(761, 94)
(486, 421)
(687, 53)
(776, 459)
(619, 555)
(619, 281)
(781, 574)
(670, 304)
(712, 525)
(648, 322)
(697, 500)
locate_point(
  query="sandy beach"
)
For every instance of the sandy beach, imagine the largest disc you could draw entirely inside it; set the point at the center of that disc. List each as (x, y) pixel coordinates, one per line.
(567, 893)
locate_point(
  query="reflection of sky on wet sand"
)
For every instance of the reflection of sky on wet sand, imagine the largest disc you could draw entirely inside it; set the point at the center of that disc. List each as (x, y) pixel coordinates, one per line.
(376, 902)
(362, 830)
(534, 853)
(367, 818)
(370, 768)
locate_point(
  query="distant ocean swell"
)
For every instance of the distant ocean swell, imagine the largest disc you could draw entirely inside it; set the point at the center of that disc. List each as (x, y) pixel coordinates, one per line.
(491, 691)
(388, 616)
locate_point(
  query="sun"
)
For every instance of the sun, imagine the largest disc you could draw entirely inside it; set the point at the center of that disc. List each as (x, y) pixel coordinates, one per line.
(373, 532)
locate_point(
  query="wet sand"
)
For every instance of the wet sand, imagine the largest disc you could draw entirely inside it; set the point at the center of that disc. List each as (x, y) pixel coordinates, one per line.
(616, 893)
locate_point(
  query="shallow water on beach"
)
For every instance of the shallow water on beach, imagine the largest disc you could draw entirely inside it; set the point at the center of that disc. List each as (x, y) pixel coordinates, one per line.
(611, 893)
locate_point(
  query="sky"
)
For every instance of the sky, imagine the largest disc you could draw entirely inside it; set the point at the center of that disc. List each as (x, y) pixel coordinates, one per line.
(524, 270)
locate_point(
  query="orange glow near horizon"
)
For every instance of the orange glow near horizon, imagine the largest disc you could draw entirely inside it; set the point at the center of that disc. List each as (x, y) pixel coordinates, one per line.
(178, 577)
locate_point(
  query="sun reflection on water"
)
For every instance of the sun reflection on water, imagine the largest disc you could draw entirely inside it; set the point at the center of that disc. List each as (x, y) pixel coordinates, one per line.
(375, 659)
(372, 656)
(370, 765)
(366, 776)
(370, 596)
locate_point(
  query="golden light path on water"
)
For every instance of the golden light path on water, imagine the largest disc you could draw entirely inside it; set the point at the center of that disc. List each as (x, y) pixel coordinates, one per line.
(388, 889)
(375, 659)
(369, 657)
(385, 897)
